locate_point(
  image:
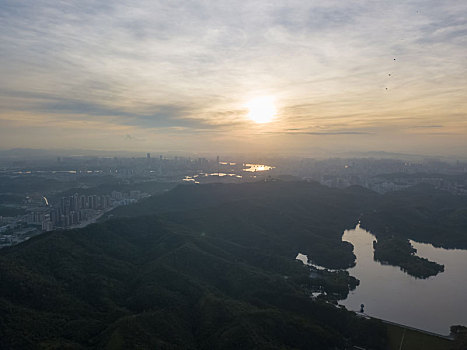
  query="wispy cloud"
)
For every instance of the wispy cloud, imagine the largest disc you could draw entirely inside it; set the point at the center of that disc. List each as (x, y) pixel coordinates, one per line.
(323, 133)
(180, 67)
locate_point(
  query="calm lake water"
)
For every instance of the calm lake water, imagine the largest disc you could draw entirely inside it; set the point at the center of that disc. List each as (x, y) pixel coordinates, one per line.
(433, 304)
(237, 172)
(257, 167)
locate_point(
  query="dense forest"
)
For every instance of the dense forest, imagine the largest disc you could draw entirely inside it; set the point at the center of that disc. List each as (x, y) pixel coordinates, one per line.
(147, 283)
(205, 267)
(398, 251)
(420, 213)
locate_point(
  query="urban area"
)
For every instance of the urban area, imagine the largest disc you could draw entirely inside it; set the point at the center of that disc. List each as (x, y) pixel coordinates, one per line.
(43, 193)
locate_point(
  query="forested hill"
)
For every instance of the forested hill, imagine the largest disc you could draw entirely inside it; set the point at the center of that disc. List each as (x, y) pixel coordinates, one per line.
(205, 267)
(279, 217)
(151, 283)
(421, 213)
(269, 193)
(312, 218)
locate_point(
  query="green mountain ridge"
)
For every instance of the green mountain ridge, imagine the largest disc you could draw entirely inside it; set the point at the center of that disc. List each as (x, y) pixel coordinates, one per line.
(159, 286)
(201, 267)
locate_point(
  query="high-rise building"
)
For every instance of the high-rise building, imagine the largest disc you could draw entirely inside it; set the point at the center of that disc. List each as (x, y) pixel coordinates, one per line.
(55, 215)
(73, 218)
(90, 202)
(82, 201)
(75, 202)
(47, 225)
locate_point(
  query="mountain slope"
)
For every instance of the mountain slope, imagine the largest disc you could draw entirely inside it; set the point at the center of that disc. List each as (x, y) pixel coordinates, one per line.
(154, 283)
(206, 267)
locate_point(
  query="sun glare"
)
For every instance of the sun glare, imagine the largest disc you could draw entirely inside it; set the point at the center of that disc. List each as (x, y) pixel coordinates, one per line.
(261, 110)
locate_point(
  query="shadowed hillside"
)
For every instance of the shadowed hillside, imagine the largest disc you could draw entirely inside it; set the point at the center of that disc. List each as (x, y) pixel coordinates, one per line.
(199, 267)
(145, 283)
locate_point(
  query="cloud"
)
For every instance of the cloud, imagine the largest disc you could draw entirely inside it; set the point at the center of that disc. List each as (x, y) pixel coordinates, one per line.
(181, 67)
(323, 133)
(425, 126)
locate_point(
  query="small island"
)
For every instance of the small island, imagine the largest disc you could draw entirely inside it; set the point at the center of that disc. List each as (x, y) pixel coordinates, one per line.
(399, 252)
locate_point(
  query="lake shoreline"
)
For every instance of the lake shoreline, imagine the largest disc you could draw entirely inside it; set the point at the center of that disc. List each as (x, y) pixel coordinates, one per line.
(430, 304)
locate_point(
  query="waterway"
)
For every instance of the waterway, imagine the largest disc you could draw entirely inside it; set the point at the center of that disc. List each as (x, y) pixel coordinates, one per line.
(432, 304)
(239, 171)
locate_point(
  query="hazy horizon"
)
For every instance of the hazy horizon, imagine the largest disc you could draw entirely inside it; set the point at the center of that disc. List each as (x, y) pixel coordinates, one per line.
(319, 154)
(332, 77)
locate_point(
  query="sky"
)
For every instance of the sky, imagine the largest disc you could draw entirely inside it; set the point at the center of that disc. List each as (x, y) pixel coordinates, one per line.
(179, 75)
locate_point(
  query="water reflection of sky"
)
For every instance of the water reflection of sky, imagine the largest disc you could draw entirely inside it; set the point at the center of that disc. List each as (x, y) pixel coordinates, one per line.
(250, 168)
(432, 304)
(257, 167)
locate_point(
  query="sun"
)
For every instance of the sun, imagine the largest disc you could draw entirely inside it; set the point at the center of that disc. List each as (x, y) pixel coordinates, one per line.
(261, 109)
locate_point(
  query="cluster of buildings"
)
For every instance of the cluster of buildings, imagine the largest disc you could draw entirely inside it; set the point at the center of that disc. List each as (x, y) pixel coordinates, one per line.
(80, 209)
(392, 182)
(454, 184)
(384, 175)
(76, 209)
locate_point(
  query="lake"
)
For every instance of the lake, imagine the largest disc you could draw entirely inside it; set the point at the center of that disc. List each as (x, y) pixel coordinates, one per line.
(235, 172)
(257, 167)
(432, 304)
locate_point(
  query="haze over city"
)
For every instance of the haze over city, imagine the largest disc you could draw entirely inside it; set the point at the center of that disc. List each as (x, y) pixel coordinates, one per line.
(264, 174)
(259, 76)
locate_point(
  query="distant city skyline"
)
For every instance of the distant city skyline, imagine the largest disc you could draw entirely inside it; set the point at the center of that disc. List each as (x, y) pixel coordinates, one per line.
(188, 76)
